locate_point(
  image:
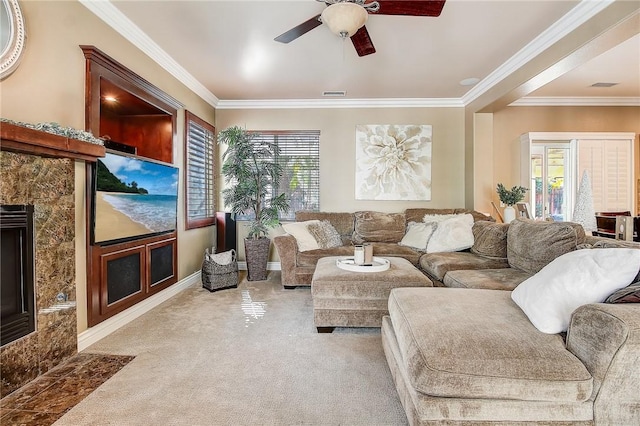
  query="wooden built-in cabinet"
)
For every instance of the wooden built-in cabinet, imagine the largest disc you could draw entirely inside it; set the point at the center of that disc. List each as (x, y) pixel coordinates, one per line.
(127, 109)
(137, 118)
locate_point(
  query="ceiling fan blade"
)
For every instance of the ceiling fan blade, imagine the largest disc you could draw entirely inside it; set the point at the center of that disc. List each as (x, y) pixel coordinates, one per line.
(410, 7)
(362, 42)
(301, 29)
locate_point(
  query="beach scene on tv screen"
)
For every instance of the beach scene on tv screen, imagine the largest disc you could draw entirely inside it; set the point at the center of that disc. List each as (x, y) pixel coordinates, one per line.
(134, 198)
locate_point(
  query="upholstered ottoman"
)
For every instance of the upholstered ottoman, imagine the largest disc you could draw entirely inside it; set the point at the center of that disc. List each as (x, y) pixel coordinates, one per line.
(358, 299)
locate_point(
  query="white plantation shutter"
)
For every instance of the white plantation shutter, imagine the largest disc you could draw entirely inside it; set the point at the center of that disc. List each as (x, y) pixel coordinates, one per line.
(199, 172)
(609, 165)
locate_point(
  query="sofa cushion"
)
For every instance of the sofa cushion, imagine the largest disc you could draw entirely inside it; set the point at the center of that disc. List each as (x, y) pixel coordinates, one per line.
(533, 244)
(437, 265)
(310, 258)
(417, 235)
(488, 279)
(628, 294)
(574, 279)
(416, 214)
(452, 234)
(470, 343)
(325, 234)
(379, 227)
(343, 222)
(490, 239)
(300, 231)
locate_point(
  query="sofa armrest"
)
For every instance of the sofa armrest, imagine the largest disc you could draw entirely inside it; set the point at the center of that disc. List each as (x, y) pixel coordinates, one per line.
(606, 338)
(287, 248)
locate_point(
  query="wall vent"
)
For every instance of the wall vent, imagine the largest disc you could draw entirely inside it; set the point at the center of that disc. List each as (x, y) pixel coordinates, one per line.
(604, 84)
(334, 93)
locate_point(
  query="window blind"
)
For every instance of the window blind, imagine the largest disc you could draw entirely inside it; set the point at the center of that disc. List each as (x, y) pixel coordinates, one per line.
(199, 172)
(299, 158)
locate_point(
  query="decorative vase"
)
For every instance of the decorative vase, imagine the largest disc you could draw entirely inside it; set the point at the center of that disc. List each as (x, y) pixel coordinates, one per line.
(509, 214)
(257, 254)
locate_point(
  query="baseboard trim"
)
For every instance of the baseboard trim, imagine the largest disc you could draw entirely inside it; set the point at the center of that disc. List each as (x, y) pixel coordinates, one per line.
(108, 326)
(271, 266)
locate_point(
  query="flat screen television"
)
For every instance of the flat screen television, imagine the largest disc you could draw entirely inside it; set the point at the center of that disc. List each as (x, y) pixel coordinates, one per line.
(133, 198)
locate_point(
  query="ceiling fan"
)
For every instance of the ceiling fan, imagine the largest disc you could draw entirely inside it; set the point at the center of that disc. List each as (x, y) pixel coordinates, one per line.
(346, 18)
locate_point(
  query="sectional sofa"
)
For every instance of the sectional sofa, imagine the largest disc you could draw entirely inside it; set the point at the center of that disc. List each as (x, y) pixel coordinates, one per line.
(383, 230)
(475, 353)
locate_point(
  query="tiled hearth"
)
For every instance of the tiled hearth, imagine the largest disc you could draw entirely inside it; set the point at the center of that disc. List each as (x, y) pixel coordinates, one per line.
(48, 184)
(50, 396)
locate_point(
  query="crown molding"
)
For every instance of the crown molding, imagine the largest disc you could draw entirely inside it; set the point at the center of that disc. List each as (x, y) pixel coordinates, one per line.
(584, 11)
(577, 16)
(342, 103)
(112, 16)
(577, 101)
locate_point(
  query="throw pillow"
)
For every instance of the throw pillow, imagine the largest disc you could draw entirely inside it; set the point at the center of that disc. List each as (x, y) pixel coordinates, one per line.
(629, 294)
(428, 218)
(325, 234)
(452, 234)
(378, 227)
(300, 231)
(574, 279)
(417, 235)
(490, 239)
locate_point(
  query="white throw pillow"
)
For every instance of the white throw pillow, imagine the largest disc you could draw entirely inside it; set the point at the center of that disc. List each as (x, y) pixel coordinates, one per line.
(417, 235)
(574, 279)
(301, 233)
(437, 217)
(452, 234)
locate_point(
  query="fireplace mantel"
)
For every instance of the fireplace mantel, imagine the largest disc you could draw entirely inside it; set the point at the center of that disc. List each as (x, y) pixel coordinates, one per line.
(24, 140)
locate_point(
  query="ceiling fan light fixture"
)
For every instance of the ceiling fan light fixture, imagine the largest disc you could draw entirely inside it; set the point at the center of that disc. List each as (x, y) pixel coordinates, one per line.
(344, 19)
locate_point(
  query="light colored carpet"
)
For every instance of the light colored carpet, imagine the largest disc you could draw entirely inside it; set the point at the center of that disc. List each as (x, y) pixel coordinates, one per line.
(245, 356)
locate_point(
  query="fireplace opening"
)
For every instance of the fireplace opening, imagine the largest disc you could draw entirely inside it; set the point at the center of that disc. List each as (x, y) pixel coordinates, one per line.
(17, 309)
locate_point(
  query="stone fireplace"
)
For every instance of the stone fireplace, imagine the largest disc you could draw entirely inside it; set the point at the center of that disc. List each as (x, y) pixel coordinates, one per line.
(33, 174)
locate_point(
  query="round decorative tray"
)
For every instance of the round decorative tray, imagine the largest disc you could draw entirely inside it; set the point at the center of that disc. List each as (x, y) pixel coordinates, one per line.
(379, 264)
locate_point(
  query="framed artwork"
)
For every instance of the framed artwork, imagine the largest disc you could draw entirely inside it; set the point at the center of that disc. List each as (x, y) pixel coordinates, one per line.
(523, 210)
(393, 162)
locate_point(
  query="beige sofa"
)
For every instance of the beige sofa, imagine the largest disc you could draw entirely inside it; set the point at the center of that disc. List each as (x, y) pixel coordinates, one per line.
(383, 230)
(503, 255)
(471, 356)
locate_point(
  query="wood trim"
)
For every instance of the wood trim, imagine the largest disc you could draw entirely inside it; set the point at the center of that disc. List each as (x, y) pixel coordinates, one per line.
(97, 296)
(99, 66)
(205, 221)
(95, 55)
(35, 142)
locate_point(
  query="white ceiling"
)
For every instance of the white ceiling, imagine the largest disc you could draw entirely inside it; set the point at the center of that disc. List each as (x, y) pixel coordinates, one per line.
(227, 47)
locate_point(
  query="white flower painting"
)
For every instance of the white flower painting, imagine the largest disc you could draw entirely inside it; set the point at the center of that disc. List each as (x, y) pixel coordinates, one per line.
(393, 162)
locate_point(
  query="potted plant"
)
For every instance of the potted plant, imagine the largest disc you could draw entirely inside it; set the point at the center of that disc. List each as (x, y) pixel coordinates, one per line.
(510, 197)
(252, 177)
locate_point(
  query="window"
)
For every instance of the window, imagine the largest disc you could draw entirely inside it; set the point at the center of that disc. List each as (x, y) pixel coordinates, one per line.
(199, 172)
(300, 160)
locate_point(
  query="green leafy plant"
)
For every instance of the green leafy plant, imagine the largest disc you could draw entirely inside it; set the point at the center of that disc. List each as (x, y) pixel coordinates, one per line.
(252, 176)
(511, 196)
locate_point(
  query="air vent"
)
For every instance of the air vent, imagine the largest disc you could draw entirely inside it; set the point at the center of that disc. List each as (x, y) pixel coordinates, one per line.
(604, 84)
(334, 93)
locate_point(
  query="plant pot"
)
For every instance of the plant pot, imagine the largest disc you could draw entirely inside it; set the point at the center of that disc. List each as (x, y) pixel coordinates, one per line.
(257, 254)
(509, 214)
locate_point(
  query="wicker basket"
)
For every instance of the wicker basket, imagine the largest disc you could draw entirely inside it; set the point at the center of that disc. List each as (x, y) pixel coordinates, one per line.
(216, 276)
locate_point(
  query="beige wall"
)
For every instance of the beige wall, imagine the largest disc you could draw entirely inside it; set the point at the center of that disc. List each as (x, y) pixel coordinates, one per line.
(337, 150)
(511, 122)
(48, 86)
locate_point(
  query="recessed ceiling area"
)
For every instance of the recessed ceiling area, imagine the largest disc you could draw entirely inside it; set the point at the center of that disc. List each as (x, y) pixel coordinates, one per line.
(228, 47)
(619, 65)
